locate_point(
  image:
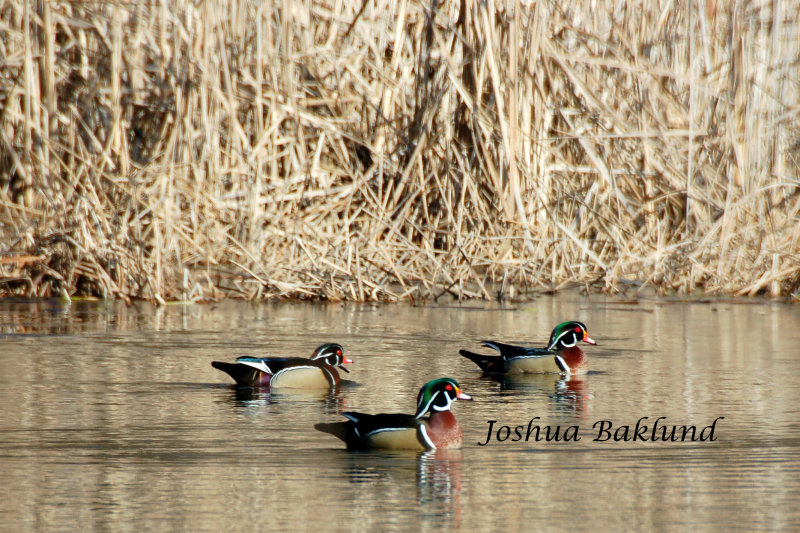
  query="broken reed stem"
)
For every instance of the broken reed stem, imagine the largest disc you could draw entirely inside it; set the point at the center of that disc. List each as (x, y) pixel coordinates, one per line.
(397, 151)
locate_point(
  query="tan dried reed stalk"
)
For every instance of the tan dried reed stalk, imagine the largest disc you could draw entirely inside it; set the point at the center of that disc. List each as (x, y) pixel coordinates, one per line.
(381, 150)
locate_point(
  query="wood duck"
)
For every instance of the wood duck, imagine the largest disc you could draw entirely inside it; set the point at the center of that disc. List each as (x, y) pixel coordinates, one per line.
(403, 431)
(318, 372)
(563, 355)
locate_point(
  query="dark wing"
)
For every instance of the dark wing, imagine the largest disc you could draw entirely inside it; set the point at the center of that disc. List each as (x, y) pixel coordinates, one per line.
(273, 365)
(360, 425)
(366, 424)
(510, 351)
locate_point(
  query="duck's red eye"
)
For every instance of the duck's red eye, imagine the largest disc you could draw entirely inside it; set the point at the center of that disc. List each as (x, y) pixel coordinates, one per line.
(338, 352)
(578, 330)
(448, 387)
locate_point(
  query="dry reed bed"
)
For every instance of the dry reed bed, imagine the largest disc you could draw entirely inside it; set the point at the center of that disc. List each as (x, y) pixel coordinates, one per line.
(385, 150)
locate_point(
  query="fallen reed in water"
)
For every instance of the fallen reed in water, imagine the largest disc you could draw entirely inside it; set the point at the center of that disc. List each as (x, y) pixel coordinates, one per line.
(383, 150)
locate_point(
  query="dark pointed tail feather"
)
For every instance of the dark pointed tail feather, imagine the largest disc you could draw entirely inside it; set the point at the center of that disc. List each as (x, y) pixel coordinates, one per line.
(243, 374)
(340, 430)
(487, 363)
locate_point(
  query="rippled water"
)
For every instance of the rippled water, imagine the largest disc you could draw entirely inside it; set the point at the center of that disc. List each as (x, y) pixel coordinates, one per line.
(111, 418)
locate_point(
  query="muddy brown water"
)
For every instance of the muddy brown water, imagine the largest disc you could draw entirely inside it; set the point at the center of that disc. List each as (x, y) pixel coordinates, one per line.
(111, 418)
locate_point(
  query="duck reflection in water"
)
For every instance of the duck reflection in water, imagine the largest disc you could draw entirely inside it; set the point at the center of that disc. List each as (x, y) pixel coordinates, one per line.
(436, 474)
(249, 397)
(569, 393)
(439, 482)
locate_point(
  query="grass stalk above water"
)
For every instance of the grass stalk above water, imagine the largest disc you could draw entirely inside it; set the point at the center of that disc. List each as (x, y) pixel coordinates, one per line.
(398, 150)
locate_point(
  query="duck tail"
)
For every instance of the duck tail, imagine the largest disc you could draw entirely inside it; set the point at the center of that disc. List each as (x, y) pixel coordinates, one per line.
(487, 363)
(242, 374)
(340, 430)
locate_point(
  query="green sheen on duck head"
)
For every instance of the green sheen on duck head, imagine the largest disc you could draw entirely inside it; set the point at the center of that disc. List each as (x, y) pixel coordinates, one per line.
(438, 395)
(567, 335)
(331, 354)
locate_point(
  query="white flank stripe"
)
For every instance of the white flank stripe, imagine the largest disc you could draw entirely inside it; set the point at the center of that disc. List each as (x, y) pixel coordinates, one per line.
(530, 356)
(283, 371)
(381, 430)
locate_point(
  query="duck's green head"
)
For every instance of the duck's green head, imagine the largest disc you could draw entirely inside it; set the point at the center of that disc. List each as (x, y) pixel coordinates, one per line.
(331, 354)
(567, 335)
(438, 395)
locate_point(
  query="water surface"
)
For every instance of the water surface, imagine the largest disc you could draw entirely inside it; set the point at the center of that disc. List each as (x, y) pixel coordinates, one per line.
(111, 418)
